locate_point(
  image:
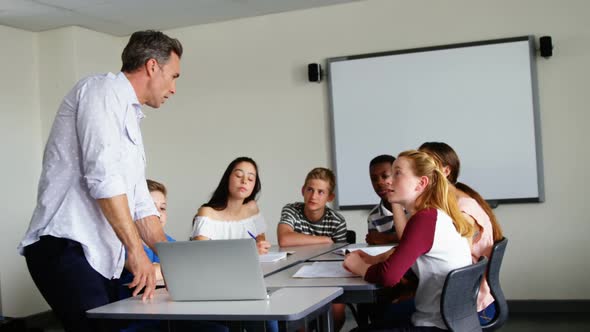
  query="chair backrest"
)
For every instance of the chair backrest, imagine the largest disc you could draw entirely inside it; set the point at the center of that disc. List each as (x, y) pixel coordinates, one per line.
(493, 278)
(458, 304)
(350, 237)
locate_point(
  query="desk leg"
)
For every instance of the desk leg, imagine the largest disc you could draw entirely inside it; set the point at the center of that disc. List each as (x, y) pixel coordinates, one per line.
(325, 320)
(320, 321)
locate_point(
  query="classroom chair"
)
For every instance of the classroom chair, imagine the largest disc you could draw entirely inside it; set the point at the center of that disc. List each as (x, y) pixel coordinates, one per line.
(458, 305)
(493, 278)
(350, 237)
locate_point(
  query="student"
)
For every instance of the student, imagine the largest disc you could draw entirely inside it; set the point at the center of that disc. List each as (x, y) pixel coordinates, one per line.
(421, 188)
(158, 193)
(232, 212)
(381, 218)
(312, 222)
(478, 212)
(382, 231)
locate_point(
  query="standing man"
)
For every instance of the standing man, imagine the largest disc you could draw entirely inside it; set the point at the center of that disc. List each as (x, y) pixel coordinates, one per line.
(93, 205)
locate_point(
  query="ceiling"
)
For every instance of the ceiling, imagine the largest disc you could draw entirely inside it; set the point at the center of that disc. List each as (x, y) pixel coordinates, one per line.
(123, 17)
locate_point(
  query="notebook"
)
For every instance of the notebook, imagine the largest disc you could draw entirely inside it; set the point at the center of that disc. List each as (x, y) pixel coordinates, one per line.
(212, 270)
(372, 250)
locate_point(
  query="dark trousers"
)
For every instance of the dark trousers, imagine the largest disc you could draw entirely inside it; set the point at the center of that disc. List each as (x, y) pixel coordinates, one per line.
(68, 283)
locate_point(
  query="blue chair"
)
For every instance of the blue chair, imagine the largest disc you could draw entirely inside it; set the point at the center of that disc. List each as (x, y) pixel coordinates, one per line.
(458, 305)
(493, 279)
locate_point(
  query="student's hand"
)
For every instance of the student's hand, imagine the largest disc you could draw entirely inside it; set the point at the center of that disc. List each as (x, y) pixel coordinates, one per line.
(354, 263)
(369, 259)
(144, 274)
(263, 247)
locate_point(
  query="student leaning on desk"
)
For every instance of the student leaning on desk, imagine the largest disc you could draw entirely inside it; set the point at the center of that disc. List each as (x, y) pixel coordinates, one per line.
(420, 186)
(382, 217)
(93, 203)
(312, 222)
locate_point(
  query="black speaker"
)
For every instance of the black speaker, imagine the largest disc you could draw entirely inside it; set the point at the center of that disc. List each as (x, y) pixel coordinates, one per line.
(545, 46)
(314, 72)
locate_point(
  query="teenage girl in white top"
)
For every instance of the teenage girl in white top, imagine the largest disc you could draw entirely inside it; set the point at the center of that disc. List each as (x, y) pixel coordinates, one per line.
(232, 212)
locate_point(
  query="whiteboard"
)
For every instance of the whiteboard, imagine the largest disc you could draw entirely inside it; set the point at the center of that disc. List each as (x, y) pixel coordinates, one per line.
(480, 98)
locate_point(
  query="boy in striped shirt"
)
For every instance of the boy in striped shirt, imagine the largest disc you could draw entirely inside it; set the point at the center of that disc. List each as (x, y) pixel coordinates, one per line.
(312, 222)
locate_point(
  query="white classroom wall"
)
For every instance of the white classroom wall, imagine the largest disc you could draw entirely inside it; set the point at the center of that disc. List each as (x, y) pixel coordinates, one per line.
(243, 91)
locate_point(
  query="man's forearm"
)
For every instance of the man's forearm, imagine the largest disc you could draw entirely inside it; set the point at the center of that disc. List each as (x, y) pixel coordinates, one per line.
(116, 211)
(151, 231)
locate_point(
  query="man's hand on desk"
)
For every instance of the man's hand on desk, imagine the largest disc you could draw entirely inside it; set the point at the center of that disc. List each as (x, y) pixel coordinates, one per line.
(144, 274)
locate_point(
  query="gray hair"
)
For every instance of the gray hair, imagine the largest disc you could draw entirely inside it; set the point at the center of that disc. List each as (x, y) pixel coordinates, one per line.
(148, 44)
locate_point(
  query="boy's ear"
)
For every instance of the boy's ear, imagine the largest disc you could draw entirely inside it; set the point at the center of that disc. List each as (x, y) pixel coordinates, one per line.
(302, 190)
(331, 197)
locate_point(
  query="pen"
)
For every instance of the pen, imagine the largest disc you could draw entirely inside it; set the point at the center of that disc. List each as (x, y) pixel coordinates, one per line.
(251, 235)
(346, 252)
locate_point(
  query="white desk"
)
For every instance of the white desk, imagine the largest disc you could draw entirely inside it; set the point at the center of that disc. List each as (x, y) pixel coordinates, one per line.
(291, 306)
(356, 290)
(300, 254)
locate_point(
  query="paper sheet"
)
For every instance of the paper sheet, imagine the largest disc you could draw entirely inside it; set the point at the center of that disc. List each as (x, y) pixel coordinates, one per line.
(272, 257)
(323, 270)
(374, 251)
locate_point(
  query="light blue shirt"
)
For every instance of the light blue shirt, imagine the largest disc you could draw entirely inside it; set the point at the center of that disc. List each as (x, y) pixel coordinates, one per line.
(95, 150)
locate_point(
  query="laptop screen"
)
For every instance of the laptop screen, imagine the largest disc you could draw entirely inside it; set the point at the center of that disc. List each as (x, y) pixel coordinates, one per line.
(212, 270)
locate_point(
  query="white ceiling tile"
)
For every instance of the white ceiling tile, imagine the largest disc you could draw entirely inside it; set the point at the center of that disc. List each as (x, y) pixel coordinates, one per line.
(122, 17)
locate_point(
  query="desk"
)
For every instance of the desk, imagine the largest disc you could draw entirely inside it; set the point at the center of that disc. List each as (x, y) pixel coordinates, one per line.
(356, 290)
(291, 306)
(301, 254)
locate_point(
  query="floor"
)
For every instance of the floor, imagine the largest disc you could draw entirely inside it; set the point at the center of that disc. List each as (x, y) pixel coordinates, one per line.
(521, 322)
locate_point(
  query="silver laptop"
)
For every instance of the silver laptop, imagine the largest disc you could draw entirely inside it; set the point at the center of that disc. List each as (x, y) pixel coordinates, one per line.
(212, 270)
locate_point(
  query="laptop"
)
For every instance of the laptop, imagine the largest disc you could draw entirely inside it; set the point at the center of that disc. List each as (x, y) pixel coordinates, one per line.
(212, 270)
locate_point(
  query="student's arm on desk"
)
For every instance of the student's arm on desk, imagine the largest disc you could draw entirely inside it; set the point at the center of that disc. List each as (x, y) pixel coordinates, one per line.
(116, 211)
(288, 237)
(376, 237)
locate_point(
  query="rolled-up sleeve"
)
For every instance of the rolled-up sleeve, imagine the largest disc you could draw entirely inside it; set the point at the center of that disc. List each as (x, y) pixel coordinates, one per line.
(144, 204)
(99, 134)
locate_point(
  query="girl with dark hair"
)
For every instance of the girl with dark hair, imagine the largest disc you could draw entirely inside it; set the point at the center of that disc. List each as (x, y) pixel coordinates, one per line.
(477, 211)
(232, 212)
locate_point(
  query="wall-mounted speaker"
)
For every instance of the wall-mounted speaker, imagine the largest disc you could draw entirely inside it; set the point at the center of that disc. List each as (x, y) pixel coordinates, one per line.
(545, 46)
(314, 72)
